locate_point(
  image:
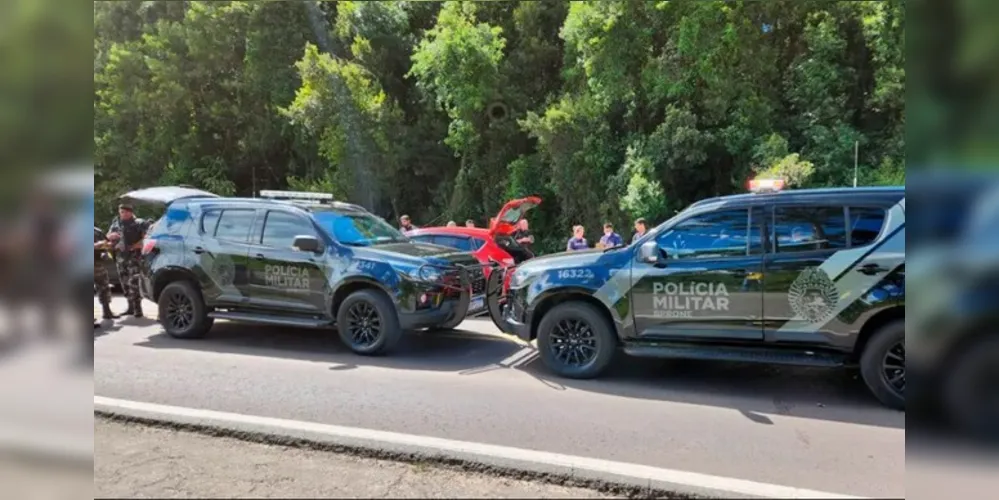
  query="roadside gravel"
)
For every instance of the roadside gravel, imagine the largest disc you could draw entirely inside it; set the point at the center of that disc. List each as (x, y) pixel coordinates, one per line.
(136, 461)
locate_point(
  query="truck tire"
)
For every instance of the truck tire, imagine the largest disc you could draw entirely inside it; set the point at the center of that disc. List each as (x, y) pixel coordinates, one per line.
(367, 323)
(969, 390)
(882, 365)
(575, 340)
(182, 311)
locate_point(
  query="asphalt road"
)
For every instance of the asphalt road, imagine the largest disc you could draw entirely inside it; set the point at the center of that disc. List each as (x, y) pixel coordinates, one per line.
(806, 428)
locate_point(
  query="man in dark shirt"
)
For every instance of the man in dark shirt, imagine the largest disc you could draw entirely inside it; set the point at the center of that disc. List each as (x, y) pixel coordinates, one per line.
(640, 229)
(524, 237)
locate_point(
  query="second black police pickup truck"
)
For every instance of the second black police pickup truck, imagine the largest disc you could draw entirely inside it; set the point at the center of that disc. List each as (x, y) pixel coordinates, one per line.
(302, 261)
(810, 277)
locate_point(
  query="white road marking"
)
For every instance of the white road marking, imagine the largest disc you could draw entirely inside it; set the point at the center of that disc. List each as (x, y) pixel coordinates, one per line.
(515, 357)
(642, 473)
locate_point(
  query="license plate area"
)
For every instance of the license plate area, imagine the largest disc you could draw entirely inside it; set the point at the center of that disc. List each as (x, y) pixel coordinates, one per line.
(476, 304)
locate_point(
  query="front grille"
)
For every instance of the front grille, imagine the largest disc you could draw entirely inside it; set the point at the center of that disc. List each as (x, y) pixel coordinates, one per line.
(478, 280)
(473, 276)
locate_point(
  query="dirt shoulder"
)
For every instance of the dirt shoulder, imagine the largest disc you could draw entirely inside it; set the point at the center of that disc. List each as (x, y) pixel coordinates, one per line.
(136, 461)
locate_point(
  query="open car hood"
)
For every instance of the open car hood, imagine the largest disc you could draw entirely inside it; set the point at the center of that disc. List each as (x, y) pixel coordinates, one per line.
(513, 211)
(164, 195)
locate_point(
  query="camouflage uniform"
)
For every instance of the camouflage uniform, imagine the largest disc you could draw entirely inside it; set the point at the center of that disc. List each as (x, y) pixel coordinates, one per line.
(119, 260)
(132, 274)
(103, 284)
(128, 260)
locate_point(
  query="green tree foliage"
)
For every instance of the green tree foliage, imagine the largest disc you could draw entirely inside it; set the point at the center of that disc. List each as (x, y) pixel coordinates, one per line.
(444, 110)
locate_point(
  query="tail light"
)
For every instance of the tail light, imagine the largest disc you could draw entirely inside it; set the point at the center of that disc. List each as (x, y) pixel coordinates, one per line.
(148, 245)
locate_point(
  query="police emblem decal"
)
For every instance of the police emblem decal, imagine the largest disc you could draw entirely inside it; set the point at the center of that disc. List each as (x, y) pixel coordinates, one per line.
(223, 271)
(813, 295)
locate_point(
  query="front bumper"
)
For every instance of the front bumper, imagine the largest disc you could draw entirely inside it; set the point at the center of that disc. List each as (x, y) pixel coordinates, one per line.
(414, 320)
(515, 318)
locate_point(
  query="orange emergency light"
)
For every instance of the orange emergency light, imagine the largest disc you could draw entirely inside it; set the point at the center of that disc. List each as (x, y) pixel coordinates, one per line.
(766, 185)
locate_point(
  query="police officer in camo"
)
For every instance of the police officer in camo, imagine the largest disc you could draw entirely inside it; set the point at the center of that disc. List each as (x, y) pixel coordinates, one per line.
(127, 233)
(102, 282)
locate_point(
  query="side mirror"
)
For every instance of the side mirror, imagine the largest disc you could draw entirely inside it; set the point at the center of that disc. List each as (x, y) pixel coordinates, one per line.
(648, 252)
(307, 244)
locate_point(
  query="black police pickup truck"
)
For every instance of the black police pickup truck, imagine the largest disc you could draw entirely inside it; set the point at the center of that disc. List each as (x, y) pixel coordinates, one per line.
(807, 277)
(305, 261)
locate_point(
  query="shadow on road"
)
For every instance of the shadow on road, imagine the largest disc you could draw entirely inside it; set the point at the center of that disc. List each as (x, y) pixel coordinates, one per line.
(451, 351)
(754, 390)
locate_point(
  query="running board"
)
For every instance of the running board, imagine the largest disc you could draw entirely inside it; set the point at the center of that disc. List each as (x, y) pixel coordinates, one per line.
(734, 353)
(270, 319)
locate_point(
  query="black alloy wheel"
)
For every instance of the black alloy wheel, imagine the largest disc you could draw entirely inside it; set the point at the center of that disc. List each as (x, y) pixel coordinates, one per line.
(182, 311)
(179, 310)
(573, 342)
(893, 368)
(576, 340)
(364, 325)
(882, 364)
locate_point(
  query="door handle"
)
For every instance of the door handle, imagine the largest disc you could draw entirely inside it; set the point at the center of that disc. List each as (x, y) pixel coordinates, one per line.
(199, 250)
(871, 269)
(260, 256)
(739, 273)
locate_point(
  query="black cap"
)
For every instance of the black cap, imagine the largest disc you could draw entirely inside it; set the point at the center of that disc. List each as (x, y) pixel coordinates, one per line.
(126, 206)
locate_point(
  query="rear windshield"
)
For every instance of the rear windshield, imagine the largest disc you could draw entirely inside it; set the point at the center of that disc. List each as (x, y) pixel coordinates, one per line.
(172, 222)
(513, 215)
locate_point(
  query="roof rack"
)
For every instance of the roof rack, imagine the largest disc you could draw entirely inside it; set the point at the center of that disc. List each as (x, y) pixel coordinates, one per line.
(296, 196)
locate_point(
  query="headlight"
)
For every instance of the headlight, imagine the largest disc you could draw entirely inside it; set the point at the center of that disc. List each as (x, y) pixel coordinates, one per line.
(520, 277)
(426, 273)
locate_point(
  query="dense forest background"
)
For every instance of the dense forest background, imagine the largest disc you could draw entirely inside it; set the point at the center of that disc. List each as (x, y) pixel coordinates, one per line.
(610, 110)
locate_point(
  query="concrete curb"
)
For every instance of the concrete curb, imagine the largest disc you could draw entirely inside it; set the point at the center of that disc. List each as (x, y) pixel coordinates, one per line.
(629, 480)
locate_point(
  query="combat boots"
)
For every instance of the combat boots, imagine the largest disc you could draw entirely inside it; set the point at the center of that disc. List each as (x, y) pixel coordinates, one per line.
(107, 312)
(136, 310)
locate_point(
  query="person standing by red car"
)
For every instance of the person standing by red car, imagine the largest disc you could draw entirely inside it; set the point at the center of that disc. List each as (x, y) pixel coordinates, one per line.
(524, 237)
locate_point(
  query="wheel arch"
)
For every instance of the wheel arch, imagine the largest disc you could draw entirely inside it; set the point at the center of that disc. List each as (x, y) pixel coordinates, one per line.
(168, 275)
(553, 298)
(353, 285)
(874, 324)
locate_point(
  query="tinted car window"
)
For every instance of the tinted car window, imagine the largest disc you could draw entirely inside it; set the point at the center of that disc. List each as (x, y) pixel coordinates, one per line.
(457, 242)
(234, 225)
(802, 229)
(865, 225)
(209, 220)
(358, 228)
(711, 235)
(281, 228)
(477, 243)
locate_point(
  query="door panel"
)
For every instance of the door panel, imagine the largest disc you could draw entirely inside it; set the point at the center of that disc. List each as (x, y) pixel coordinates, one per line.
(809, 265)
(221, 252)
(707, 282)
(283, 277)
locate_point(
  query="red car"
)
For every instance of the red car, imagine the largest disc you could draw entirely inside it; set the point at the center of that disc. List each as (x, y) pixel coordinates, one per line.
(492, 245)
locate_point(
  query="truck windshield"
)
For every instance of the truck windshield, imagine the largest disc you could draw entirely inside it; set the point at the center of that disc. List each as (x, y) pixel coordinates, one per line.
(358, 229)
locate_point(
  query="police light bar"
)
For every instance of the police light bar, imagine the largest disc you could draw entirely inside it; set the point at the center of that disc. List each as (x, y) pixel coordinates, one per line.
(295, 195)
(766, 185)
